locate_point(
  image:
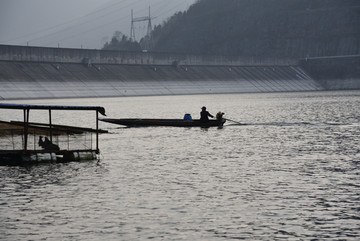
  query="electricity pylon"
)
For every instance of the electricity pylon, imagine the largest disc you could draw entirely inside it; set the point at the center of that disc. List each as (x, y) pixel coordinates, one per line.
(149, 28)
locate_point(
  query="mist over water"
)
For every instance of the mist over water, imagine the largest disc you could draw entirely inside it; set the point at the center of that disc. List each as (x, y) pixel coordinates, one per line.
(292, 172)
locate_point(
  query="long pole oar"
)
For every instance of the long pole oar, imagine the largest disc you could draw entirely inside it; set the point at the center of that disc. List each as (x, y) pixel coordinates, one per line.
(233, 121)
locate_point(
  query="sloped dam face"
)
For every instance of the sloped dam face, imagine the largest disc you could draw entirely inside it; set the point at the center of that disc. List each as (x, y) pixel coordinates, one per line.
(37, 72)
(27, 80)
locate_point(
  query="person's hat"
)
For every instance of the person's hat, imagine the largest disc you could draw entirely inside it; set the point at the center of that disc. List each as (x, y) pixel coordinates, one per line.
(203, 108)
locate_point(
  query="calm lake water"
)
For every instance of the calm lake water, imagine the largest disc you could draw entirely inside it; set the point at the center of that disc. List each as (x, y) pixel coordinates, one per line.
(291, 173)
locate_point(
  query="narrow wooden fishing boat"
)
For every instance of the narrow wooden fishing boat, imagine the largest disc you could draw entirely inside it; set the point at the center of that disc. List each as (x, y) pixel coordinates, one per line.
(165, 122)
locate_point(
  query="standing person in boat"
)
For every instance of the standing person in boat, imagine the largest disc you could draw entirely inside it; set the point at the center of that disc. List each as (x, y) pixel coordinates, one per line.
(204, 115)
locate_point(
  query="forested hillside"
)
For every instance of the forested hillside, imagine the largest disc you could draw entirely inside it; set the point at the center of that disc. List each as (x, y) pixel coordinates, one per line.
(272, 28)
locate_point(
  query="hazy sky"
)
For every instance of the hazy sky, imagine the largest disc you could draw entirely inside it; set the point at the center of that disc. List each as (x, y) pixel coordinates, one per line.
(78, 23)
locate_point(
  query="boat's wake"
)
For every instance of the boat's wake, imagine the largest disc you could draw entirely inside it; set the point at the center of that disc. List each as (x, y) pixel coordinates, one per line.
(292, 124)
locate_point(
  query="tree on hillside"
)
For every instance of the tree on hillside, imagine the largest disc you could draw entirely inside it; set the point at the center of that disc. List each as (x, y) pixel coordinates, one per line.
(271, 28)
(121, 42)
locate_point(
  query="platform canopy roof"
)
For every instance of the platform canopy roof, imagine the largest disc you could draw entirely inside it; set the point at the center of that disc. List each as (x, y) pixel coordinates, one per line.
(100, 109)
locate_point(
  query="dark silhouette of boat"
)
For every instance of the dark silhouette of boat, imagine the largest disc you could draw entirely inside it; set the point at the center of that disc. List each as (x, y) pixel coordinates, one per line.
(138, 122)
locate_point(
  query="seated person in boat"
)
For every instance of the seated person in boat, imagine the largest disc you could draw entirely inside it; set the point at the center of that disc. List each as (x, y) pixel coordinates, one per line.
(219, 115)
(41, 142)
(204, 115)
(187, 118)
(48, 145)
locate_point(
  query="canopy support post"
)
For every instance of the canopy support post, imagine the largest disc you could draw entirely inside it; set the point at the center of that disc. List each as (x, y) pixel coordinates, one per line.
(50, 124)
(97, 131)
(26, 127)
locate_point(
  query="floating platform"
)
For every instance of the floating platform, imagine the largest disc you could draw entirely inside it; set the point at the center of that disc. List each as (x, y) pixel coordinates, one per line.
(19, 145)
(43, 128)
(8, 157)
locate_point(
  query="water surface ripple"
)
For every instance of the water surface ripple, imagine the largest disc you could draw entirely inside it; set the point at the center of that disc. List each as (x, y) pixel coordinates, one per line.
(291, 173)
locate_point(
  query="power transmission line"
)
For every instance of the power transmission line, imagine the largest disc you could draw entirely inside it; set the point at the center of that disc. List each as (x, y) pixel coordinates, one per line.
(94, 19)
(112, 8)
(65, 23)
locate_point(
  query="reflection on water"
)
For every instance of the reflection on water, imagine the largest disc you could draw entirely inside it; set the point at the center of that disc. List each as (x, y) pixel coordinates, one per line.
(292, 172)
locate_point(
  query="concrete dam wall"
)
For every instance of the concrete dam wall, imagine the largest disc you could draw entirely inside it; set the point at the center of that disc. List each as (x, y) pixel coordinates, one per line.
(335, 73)
(33, 72)
(25, 80)
(66, 55)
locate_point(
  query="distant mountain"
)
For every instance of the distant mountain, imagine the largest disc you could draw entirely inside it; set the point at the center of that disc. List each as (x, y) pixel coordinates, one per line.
(269, 28)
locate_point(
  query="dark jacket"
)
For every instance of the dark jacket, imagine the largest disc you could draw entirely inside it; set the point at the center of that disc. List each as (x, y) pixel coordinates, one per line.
(204, 116)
